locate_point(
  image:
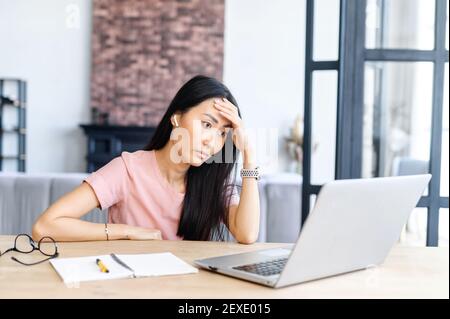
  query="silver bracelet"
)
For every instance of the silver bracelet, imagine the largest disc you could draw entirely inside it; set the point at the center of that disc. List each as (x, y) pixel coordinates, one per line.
(106, 231)
(250, 173)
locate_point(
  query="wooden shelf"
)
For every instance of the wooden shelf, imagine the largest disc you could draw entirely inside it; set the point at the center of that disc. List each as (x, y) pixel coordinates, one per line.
(19, 103)
(21, 157)
(14, 130)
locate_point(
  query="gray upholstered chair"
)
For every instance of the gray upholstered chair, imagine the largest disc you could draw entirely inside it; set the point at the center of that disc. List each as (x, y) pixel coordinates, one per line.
(415, 227)
(23, 197)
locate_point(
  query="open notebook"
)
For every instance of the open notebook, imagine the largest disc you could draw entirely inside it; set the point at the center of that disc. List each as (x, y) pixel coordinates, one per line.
(120, 266)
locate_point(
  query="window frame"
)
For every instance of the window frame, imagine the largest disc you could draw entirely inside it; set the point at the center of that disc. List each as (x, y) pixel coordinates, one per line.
(350, 101)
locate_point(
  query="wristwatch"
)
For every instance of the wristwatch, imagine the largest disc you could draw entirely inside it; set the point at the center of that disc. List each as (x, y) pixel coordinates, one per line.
(253, 173)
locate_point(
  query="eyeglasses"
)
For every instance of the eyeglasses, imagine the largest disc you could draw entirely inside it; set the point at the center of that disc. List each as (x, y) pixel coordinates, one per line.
(25, 244)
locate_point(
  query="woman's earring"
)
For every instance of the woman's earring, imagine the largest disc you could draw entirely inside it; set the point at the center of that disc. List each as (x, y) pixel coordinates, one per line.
(176, 122)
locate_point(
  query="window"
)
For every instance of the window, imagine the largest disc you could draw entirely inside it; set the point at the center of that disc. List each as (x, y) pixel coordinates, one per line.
(391, 111)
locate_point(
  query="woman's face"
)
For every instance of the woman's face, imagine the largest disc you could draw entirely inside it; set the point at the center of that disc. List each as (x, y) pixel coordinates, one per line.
(202, 132)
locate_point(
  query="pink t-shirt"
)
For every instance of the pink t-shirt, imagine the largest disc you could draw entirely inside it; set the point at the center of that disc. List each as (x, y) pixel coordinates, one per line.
(134, 191)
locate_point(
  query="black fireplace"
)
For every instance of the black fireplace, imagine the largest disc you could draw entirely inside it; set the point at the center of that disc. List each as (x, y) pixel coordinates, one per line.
(106, 142)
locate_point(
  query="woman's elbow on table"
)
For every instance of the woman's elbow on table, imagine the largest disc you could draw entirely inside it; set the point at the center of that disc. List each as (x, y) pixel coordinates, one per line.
(40, 229)
(247, 239)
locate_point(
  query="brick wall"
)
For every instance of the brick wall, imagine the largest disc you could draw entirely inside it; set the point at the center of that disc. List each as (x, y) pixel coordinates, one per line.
(144, 50)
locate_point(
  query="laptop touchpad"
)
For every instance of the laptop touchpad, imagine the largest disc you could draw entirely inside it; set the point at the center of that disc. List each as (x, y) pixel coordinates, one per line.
(278, 252)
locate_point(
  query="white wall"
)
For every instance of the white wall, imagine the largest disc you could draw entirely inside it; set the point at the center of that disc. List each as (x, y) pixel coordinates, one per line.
(264, 65)
(47, 43)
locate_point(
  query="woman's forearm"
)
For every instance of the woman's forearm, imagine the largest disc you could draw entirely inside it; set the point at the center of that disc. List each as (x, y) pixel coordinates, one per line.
(62, 222)
(72, 229)
(248, 211)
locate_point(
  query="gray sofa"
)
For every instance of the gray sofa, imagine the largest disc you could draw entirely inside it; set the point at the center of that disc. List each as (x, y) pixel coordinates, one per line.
(23, 197)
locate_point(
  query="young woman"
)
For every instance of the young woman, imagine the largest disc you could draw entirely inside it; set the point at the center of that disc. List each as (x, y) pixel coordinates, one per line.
(180, 186)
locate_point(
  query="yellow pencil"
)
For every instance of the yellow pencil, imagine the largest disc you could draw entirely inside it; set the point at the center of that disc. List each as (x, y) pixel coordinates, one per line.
(101, 265)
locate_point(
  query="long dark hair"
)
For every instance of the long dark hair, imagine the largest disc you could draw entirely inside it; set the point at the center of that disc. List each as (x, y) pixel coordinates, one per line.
(206, 201)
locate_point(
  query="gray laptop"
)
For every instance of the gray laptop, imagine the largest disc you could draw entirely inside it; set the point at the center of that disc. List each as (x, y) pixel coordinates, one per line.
(353, 226)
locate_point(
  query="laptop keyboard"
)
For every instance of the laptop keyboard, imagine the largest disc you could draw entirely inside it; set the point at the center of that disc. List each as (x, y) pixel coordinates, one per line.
(266, 268)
